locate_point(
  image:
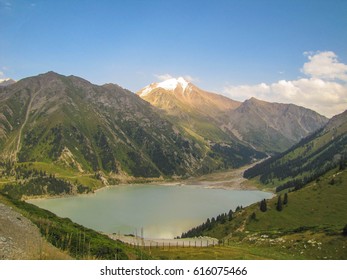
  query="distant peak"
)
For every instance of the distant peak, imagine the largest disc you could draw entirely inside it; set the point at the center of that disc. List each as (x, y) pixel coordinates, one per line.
(6, 82)
(50, 75)
(254, 100)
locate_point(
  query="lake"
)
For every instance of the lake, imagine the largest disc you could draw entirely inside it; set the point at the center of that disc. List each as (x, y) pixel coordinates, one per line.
(161, 211)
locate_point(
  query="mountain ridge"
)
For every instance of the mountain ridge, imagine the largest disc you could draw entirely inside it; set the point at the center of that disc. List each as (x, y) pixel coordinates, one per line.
(265, 126)
(66, 98)
(105, 134)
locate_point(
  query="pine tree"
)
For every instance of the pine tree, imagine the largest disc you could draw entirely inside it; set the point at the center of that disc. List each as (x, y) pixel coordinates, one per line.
(279, 206)
(285, 199)
(230, 215)
(344, 231)
(263, 206)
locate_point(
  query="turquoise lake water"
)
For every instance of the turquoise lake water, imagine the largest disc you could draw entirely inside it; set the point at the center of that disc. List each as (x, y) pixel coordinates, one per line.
(161, 211)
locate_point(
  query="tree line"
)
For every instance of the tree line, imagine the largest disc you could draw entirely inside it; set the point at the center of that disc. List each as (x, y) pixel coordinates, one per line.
(210, 223)
(302, 169)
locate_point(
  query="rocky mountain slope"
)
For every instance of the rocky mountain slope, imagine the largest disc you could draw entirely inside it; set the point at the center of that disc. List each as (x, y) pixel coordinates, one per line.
(199, 112)
(267, 127)
(273, 127)
(202, 115)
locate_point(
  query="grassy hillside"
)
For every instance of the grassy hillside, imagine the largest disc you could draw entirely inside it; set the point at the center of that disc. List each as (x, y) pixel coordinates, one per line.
(309, 226)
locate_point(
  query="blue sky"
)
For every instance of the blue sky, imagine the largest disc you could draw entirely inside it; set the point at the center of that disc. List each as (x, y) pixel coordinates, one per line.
(221, 45)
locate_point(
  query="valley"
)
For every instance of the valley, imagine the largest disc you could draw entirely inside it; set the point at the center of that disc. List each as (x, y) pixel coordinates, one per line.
(62, 136)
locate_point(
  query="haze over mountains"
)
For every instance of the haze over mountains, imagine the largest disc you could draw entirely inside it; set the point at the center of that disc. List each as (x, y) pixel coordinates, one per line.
(182, 131)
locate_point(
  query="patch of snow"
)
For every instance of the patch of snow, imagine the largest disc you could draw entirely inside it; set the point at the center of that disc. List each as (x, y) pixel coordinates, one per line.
(169, 84)
(183, 83)
(147, 90)
(4, 80)
(172, 84)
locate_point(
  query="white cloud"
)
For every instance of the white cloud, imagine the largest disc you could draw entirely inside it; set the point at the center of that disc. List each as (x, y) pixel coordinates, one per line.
(324, 65)
(324, 91)
(163, 77)
(191, 79)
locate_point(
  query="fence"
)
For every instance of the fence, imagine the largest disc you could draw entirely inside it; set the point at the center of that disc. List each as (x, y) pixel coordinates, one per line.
(137, 241)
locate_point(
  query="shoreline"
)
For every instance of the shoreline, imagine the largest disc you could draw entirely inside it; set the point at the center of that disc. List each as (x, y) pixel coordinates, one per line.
(231, 179)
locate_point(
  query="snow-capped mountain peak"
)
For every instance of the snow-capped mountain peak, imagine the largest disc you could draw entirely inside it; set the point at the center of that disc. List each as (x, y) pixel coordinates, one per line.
(173, 83)
(170, 84)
